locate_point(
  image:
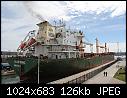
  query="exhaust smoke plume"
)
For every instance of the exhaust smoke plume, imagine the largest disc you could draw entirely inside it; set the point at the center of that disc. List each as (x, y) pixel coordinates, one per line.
(32, 12)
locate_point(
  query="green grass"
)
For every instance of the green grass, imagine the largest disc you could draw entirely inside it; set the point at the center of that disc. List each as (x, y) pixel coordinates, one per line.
(120, 74)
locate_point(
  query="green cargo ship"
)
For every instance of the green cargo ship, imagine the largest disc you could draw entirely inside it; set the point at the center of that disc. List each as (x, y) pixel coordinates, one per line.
(50, 70)
(55, 52)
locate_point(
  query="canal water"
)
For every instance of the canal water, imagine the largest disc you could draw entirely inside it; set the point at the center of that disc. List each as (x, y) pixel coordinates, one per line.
(10, 79)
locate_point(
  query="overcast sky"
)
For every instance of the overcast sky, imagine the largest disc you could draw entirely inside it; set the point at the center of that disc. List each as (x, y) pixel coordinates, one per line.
(105, 20)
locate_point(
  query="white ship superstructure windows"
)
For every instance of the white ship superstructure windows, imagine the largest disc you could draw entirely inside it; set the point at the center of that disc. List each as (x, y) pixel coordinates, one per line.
(61, 41)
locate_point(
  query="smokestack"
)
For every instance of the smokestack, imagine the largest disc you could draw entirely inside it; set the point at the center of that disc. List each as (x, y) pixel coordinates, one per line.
(28, 4)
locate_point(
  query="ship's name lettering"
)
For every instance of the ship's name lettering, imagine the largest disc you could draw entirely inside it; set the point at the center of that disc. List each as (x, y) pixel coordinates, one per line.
(21, 62)
(17, 65)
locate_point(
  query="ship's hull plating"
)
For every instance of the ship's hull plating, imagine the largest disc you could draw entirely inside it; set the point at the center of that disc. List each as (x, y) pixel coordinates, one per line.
(50, 70)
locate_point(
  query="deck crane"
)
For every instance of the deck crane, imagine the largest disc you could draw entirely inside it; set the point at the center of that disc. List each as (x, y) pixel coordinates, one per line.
(98, 46)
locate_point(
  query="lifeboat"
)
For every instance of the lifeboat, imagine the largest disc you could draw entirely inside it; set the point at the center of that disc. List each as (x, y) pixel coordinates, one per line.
(22, 45)
(32, 41)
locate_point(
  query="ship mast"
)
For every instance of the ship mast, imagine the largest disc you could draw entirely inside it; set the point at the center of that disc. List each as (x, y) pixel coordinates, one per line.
(97, 49)
(81, 50)
(105, 47)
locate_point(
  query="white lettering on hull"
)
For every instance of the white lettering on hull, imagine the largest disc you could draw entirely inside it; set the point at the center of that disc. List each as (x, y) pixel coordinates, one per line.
(19, 62)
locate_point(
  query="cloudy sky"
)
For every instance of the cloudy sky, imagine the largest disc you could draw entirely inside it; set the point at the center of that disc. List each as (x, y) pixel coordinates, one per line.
(105, 20)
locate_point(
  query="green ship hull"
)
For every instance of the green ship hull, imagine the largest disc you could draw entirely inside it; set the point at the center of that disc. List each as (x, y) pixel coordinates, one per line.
(50, 70)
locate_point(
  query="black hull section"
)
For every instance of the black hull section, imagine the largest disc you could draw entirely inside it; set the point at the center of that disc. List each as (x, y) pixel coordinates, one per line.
(57, 69)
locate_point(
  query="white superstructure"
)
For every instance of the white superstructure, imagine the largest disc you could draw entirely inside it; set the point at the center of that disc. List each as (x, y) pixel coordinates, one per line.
(56, 42)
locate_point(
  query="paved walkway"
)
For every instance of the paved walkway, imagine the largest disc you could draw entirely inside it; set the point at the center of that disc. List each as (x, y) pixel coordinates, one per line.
(75, 76)
(101, 79)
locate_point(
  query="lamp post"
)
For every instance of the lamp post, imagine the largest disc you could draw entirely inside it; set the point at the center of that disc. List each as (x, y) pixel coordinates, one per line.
(38, 67)
(118, 48)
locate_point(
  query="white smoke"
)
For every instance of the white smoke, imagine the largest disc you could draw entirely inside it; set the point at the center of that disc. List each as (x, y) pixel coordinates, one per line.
(28, 6)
